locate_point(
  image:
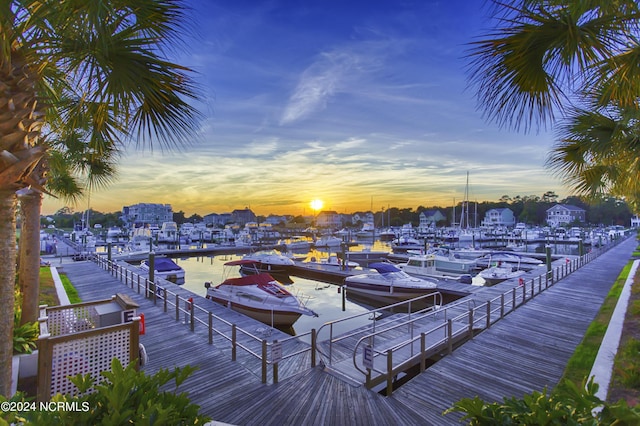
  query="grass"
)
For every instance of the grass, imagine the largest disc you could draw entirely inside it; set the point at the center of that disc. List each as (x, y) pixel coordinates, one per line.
(580, 364)
(48, 295)
(72, 293)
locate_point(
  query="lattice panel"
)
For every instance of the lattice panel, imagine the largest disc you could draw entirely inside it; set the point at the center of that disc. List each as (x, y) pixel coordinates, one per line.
(87, 355)
(71, 320)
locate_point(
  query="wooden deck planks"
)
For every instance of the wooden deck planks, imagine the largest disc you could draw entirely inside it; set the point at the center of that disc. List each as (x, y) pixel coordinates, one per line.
(527, 350)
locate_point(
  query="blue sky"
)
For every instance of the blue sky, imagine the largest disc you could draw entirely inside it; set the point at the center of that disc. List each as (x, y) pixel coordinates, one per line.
(356, 103)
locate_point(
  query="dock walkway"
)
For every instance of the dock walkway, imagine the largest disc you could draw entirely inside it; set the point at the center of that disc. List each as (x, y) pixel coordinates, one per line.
(525, 351)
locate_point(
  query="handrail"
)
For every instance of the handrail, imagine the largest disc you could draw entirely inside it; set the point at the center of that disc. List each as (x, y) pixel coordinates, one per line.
(519, 296)
(434, 295)
(156, 291)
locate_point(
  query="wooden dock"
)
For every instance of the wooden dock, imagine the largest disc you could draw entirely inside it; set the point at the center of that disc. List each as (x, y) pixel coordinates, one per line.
(525, 351)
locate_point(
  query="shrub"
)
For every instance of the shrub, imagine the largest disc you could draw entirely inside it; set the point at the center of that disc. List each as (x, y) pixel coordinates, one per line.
(568, 404)
(125, 396)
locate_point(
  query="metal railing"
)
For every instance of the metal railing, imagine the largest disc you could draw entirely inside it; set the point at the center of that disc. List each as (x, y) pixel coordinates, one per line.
(273, 352)
(256, 352)
(427, 334)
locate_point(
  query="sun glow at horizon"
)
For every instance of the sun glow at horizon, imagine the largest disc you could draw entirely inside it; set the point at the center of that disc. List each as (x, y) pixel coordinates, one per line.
(316, 204)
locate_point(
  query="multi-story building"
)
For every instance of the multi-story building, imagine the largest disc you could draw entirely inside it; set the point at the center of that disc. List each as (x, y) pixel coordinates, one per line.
(564, 214)
(499, 217)
(144, 214)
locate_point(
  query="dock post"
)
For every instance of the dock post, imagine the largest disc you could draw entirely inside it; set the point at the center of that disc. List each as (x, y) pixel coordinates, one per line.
(389, 372)
(192, 313)
(264, 361)
(423, 358)
(233, 342)
(502, 306)
(177, 308)
(344, 298)
(488, 324)
(210, 328)
(314, 336)
(547, 249)
(449, 336)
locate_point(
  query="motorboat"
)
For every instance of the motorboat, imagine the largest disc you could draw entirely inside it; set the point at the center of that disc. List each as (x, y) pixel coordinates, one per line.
(328, 242)
(168, 233)
(449, 262)
(499, 273)
(267, 261)
(401, 244)
(259, 296)
(387, 281)
(424, 266)
(331, 262)
(510, 259)
(164, 267)
(296, 243)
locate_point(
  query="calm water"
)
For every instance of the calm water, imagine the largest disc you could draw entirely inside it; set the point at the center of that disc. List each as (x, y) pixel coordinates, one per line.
(322, 298)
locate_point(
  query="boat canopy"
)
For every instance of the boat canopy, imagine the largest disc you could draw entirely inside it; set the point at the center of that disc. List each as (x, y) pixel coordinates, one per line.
(261, 279)
(164, 264)
(384, 268)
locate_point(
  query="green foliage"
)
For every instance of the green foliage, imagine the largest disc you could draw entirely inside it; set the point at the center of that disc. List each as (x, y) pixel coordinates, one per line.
(26, 335)
(628, 364)
(568, 404)
(126, 396)
(71, 291)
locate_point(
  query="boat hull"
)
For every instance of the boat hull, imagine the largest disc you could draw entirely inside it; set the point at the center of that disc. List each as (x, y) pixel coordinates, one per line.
(386, 291)
(276, 318)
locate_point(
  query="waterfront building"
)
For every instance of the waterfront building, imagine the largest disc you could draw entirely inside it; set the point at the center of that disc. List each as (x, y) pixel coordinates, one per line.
(430, 218)
(143, 214)
(242, 216)
(499, 218)
(565, 214)
(329, 219)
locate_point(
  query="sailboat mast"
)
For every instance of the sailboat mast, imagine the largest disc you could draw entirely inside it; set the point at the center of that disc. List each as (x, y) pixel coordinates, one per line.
(464, 215)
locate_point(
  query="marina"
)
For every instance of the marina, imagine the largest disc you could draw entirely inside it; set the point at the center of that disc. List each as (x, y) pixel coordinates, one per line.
(321, 393)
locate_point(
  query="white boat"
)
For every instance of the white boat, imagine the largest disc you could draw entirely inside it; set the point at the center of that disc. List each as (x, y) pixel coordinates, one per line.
(267, 261)
(424, 266)
(331, 262)
(498, 274)
(510, 259)
(387, 281)
(168, 233)
(113, 234)
(447, 261)
(259, 296)
(367, 231)
(164, 267)
(141, 241)
(328, 242)
(404, 243)
(296, 243)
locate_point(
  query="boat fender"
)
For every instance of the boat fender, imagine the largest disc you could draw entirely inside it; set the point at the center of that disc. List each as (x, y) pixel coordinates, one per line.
(143, 358)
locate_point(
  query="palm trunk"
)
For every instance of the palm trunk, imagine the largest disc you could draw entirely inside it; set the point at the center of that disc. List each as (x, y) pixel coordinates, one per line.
(29, 256)
(7, 285)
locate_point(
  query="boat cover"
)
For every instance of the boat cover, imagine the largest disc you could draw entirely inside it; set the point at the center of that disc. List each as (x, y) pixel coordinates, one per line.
(164, 264)
(384, 268)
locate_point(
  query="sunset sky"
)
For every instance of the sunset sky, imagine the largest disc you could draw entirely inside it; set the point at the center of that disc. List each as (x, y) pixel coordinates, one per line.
(358, 104)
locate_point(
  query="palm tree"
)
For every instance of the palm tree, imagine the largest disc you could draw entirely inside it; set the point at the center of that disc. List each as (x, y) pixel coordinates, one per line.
(99, 67)
(561, 58)
(598, 153)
